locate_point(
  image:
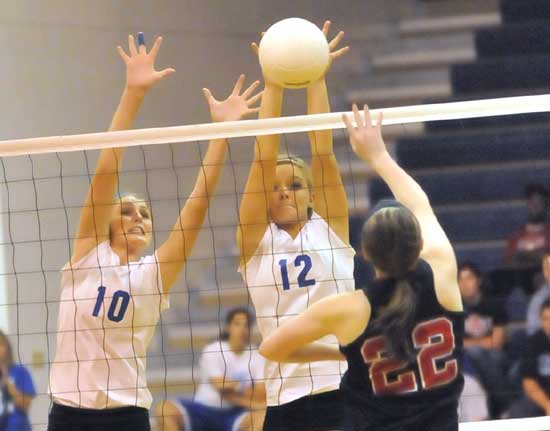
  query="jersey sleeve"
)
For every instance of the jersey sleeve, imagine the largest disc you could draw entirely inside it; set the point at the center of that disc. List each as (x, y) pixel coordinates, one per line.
(152, 280)
(23, 380)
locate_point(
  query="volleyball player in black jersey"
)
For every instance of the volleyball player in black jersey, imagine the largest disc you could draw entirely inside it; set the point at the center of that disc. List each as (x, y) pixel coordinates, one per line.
(402, 334)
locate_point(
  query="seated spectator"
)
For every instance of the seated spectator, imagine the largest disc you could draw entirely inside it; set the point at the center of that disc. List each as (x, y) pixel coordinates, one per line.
(484, 335)
(16, 391)
(525, 246)
(231, 393)
(473, 405)
(539, 297)
(484, 316)
(536, 372)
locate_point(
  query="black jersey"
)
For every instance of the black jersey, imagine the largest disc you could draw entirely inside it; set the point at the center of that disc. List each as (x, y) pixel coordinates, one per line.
(384, 393)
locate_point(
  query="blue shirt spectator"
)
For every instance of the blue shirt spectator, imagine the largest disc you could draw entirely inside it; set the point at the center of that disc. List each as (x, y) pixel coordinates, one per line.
(16, 391)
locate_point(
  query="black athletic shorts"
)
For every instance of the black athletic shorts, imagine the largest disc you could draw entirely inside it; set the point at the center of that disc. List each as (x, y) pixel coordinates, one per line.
(64, 418)
(320, 412)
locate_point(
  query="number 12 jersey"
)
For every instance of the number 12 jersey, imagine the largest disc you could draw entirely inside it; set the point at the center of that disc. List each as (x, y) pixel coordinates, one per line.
(286, 275)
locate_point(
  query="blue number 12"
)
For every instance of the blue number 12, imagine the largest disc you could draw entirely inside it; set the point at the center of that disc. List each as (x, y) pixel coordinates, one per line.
(302, 277)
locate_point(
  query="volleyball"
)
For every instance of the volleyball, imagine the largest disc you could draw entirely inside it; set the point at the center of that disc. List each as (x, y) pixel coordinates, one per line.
(293, 53)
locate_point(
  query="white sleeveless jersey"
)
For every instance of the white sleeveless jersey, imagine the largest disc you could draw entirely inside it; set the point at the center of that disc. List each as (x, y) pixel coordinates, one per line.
(107, 316)
(284, 277)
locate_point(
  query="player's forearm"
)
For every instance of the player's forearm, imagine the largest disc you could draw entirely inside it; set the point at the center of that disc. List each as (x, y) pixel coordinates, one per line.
(209, 172)
(536, 394)
(127, 109)
(318, 103)
(405, 189)
(110, 159)
(267, 147)
(312, 352)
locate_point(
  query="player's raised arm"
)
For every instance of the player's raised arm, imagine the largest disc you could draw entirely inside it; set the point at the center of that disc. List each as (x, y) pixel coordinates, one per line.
(344, 315)
(175, 250)
(253, 212)
(98, 207)
(366, 141)
(331, 200)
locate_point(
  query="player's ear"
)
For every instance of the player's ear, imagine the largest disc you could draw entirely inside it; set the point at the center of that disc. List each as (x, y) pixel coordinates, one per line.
(365, 255)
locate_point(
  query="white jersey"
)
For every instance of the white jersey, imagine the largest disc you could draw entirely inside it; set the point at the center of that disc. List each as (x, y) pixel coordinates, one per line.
(218, 360)
(284, 277)
(107, 316)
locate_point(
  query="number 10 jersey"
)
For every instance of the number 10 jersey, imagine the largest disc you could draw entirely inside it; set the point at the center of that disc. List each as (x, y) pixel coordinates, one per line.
(108, 313)
(286, 275)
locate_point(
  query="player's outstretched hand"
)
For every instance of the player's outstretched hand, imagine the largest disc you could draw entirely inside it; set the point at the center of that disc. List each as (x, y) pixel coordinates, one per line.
(333, 45)
(237, 105)
(140, 64)
(366, 138)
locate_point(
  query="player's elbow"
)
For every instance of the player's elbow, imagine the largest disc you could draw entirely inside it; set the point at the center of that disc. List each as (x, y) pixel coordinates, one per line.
(269, 350)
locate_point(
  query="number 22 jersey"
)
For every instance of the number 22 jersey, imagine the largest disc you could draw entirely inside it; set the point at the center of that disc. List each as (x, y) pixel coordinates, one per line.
(384, 393)
(286, 275)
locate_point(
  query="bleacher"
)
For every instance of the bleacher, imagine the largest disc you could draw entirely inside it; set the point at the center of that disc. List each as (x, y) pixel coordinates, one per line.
(475, 170)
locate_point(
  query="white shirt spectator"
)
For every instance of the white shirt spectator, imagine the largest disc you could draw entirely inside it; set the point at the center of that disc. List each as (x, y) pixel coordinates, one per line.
(218, 360)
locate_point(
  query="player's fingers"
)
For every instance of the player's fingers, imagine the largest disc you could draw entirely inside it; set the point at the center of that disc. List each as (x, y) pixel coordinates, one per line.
(337, 39)
(326, 27)
(122, 54)
(255, 48)
(368, 118)
(252, 111)
(358, 120)
(347, 122)
(164, 73)
(238, 85)
(379, 119)
(132, 45)
(248, 92)
(208, 96)
(253, 100)
(156, 46)
(141, 43)
(340, 52)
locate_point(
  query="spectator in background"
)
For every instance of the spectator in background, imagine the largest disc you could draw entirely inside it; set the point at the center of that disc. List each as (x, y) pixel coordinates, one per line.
(484, 335)
(231, 393)
(536, 372)
(539, 297)
(16, 391)
(526, 246)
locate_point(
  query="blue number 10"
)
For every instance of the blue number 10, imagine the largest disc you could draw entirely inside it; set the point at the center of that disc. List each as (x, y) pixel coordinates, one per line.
(302, 277)
(112, 314)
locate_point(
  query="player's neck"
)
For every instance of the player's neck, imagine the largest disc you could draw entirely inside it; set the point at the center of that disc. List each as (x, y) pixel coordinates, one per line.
(293, 229)
(236, 348)
(125, 254)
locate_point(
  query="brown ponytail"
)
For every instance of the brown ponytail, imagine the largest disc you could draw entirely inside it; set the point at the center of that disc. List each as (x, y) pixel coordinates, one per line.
(391, 240)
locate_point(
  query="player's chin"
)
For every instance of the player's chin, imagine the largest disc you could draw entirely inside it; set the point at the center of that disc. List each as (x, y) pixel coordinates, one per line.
(285, 217)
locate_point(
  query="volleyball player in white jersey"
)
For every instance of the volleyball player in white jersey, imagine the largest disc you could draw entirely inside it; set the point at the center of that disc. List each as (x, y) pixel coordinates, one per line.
(294, 244)
(111, 296)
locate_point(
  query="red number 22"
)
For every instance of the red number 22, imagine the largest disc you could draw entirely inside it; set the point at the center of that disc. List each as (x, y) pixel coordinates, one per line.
(435, 341)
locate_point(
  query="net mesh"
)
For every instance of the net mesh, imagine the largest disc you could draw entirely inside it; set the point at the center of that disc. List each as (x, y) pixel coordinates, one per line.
(474, 173)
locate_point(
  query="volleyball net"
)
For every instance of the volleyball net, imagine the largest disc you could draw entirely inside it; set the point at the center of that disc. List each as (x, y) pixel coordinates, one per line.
(473, 158)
